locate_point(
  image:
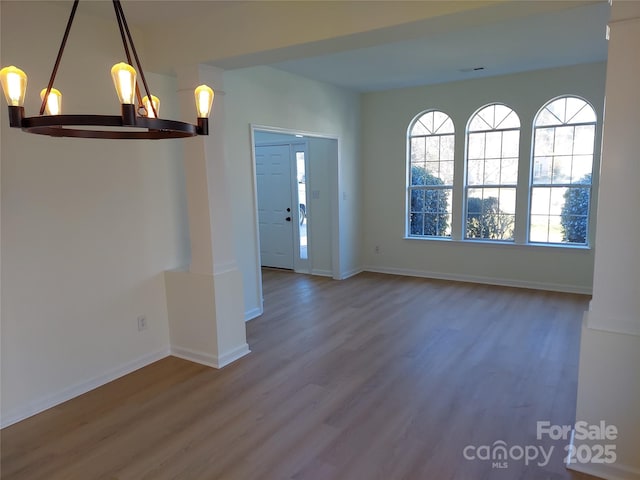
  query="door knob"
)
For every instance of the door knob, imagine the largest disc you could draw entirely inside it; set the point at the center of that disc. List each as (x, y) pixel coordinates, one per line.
(288, 219)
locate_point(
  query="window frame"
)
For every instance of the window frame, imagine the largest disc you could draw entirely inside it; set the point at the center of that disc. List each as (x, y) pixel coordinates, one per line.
(466, 187)
(553, 185)
(409, 188)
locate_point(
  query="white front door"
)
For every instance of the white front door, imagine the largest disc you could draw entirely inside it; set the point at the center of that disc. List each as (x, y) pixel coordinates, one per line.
(275, 214)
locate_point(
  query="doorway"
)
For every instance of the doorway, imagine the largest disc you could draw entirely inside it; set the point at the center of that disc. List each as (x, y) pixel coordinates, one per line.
(284, 215)
(313, 177)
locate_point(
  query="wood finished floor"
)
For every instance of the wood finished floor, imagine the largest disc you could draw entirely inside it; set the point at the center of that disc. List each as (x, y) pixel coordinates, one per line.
(374, 377)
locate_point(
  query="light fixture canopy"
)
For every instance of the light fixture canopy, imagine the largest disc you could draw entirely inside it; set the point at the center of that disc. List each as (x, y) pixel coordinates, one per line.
(132, 123)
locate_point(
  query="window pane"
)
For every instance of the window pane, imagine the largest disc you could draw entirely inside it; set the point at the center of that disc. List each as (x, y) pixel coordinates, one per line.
(430, 212)
(539, 228)
(510, 143)
(555, 229)
(416, 223)
(417, 200)
(509, 171)
(542, 170)
(558, 110)
(433, 169)
(476, 146)
(492, 172)
(582, 169)
(447, 147)
(563, 143)
(432, 148)
(446, 173)
(493, 146)
(583, 139)
(419, 129)
(579, 111)
(507, 201)
(540, 201)
(417, 149)
(442, 123)
(475, 172)
(418, 174)
(544, 141)
(485, 218)
(557, 200)
(562, 169)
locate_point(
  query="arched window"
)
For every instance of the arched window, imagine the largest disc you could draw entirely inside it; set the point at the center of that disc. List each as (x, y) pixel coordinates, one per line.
(493, 142)
(430, 175)
(564, 140)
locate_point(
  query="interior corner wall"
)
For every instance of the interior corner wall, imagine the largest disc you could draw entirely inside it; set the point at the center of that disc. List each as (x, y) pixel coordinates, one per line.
(88, 226)
(385, 120)
(269, 97)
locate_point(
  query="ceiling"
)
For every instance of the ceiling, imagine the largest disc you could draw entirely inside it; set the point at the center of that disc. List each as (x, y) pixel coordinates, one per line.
(543, 41)
(565, 37)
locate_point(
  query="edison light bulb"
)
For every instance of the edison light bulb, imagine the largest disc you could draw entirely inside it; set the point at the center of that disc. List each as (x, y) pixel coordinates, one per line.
(54, 101)
(14, 85)
(204, 100)
(147, 106)
(124, 79)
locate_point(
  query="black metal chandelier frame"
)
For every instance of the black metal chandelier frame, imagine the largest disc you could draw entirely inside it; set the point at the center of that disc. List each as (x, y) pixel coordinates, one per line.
(66, 125)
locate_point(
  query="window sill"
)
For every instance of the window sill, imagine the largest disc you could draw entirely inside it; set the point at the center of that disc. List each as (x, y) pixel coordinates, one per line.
(503, 244)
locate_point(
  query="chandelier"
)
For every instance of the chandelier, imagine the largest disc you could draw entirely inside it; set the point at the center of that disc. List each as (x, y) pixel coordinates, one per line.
(133, 123)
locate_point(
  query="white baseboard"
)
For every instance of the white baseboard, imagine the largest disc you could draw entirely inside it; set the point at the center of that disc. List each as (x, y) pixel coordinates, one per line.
(56, 398)
(233, 355)
(321, 273)
(210, 360)
(504, 282)
(349, 273)
(608, 471)
(253, 313)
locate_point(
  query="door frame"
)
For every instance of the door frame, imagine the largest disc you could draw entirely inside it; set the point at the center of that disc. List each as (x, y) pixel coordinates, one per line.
(334, 199)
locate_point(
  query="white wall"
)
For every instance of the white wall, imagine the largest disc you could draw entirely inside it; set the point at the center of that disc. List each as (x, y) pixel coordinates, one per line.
(88, 226)
(269, 97)
(385, 119)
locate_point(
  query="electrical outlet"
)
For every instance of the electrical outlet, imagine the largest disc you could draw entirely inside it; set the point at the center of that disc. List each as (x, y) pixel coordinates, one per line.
(142, 323)
(376, 249)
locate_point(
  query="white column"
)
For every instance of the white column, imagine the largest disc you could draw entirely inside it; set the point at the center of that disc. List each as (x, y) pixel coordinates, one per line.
(609, 379)
(206, 311)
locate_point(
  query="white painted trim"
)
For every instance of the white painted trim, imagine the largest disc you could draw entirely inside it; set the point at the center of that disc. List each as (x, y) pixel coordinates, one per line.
(195, 356)
(611, 324)
(48, 401)
(608, 471)
(254, 182)
(209, 360)
(321, 273)
(253, 313)
(504, 282)
(349, 273)
(233, 355)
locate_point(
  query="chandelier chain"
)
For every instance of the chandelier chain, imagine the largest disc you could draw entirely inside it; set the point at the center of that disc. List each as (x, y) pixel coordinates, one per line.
(59, 57)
